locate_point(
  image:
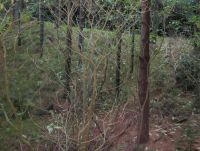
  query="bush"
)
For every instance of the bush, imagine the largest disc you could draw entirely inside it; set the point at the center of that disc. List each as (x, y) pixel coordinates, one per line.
(188, 72)
(188, 75)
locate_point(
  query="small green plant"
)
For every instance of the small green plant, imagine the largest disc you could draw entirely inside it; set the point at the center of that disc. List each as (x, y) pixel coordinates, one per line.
(185, 143)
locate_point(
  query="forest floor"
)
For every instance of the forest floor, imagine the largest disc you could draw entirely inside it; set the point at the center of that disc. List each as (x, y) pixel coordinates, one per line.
(168, 132)
(119, 127)
(34, 82)
(165, 133)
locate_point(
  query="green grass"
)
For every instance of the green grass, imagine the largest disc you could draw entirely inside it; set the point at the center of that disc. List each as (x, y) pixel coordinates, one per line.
(11, 138)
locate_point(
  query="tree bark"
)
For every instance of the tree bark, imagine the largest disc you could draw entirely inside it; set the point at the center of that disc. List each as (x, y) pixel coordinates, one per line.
(41, 22)
(17, 19)
(196, 54)
(81, 47)
(81, 26)
(14, 11)
(1, 57)
(18, 8)
(132, 51)
(118, 63)
(196, 30)
(68, 52)
(143, 92)
(58, 14)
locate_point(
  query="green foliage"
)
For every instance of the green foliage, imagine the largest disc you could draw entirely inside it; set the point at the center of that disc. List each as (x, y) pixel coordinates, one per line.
(185, 143)
(158, 73)
(26, 17)
(116, 12)
(9, 136)
(197, 40)
(1, 6)
(153, 37)
(5, 23)
(188, 72)
(188, 76)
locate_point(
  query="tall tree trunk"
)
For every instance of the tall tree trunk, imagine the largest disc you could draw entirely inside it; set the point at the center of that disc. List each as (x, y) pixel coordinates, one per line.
(1, 57)
(143, 92)
(68, 52)
(4, 70)
(22, 4)
(18, 9)
(17, 19)
(196, 53)
(81, 47)
(41, 22)
(58, 14)
(196, 30)
(81, 26)
(132, 50)
(118, 63)
(14, 11)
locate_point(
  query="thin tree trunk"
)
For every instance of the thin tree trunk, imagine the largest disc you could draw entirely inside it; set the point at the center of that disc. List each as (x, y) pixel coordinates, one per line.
(143, 92)
(4, 69)
(132, 51)
(14, 11)
(81, 26)
(81, 47)
(41, 22)
(58, 22)
(58, 14)
(68, 52)
(19, 40)
(196, 53)
(17, 19)
(23, 4)
(196, 30)
(1, 57)
(118, 63)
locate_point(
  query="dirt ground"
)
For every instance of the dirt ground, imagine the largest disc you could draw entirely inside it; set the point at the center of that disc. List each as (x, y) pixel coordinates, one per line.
(121, 132)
